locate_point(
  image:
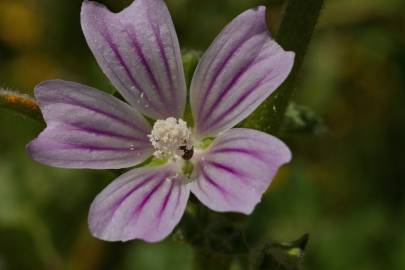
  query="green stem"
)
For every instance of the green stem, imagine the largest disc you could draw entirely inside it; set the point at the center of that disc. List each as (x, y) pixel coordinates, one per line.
(20, 103)
(295, 33)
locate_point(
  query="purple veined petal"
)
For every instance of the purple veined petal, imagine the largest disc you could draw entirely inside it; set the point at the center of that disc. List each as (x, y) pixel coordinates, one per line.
(139, 52)
(242, 67)
(87, 128)
(237, 169)
(144, 203)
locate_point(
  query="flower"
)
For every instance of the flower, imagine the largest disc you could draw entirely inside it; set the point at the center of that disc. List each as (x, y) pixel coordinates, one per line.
(139, 52)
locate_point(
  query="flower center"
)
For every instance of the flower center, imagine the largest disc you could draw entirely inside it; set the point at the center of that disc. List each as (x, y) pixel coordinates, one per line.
(171, 138)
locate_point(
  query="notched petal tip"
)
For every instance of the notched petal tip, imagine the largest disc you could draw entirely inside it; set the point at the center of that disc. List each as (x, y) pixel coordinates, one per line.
(41, 88)
(260, 10)
(86, 4)
(242, 67)
(290, 60)
(30, 148)
(87, 128)
(88, 9)
(137, 48)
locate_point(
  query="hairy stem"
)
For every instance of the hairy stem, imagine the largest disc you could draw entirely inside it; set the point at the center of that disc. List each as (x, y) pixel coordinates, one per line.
(20, 103)
(295, 33)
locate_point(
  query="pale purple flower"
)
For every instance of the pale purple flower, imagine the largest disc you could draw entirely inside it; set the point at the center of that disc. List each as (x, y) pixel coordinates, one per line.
(139, 52)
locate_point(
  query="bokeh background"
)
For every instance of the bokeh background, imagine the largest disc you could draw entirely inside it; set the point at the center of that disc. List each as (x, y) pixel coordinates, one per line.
(345, 186)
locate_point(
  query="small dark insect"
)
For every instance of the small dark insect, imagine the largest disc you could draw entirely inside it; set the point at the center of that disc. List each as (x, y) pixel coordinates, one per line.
(188, 153)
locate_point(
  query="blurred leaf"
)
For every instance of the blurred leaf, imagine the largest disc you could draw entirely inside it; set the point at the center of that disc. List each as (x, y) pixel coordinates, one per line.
(282, 256)
(301, 120)
(16, 213)
(158, 256)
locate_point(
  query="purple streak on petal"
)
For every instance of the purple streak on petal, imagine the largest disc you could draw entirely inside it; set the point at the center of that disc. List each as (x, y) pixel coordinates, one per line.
(126, 196)
(220, 68)
(49, 149)
(112, 116)
(138, 209)
(232, 139)
(241, 164)
(221, 51)
(236, 104)
(104, 32)
(200, 187)
(178, 200)
(98, 131)
(87, 128)
(242, 67)
(168, 72)
(147, 198)
(229, 87)
(212, 182)
(124, 185)
(166, 201)
(140, 204)
(106, 35)
(94, 148)
(226, 168)
(138, 50)
(252, 153)
(93, 162)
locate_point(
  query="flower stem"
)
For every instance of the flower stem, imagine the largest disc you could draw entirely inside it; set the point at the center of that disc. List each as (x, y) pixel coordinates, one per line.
(295, 33)
(20, 103)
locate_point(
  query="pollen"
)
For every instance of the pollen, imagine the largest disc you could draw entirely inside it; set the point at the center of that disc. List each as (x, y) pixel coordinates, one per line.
(171, 138)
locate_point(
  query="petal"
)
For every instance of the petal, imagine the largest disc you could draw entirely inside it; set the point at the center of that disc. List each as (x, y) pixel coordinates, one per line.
(144, 203)
(87, 128)
(139, 52)
(237, 169)
(243, 66)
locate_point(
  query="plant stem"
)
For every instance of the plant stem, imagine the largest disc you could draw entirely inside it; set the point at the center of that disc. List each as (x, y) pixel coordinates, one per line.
(295, 33)
(20, 103)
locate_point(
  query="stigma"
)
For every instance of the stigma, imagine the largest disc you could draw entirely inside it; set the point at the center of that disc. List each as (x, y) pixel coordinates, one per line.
(171, 138)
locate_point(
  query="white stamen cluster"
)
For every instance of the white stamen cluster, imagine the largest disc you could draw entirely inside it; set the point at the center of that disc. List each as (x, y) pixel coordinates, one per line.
(168, 136)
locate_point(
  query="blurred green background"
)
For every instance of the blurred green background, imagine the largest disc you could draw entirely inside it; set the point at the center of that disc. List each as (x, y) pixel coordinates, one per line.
(345, 187)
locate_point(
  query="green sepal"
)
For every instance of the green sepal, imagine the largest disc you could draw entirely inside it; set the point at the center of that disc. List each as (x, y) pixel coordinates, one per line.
(206, 143)
(190, 61)
(188, 168)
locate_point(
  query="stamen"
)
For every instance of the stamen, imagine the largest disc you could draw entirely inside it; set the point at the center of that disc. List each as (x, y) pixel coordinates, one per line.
(171, 138)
